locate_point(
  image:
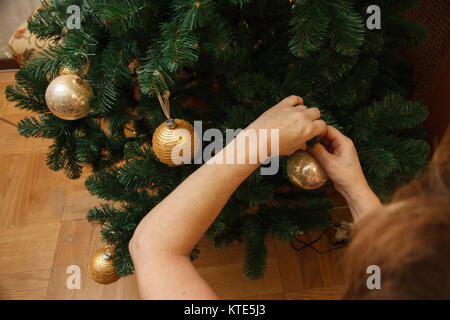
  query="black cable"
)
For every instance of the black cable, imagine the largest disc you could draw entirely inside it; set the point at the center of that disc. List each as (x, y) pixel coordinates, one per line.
(310, 244)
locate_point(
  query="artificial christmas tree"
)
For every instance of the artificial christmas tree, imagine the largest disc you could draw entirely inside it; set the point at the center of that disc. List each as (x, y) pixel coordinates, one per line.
(236, 58)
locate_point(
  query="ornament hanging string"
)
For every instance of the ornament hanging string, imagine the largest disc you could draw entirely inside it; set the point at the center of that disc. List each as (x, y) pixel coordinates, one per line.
(165, 102)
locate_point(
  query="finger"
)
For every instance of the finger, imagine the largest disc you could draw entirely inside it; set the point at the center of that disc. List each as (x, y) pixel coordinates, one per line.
(324, 131)
(324, 141)
(321, 154)
(334, 134)
(301, 108)
(312, 113)
(293, 101)
(327, 143)
(319, 128)
(335, 137)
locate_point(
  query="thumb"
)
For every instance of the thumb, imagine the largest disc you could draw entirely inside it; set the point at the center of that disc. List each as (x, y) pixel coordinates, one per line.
(321, 154)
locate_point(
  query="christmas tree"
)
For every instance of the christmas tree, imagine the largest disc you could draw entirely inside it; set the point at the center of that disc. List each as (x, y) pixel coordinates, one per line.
(224, 63)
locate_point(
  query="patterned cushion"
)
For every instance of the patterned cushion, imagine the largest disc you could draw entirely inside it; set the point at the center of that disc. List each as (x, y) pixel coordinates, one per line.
(23, 44)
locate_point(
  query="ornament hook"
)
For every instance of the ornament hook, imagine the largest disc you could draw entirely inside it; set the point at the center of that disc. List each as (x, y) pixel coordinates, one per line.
(85, 69)
(107, 255)
(170, 123)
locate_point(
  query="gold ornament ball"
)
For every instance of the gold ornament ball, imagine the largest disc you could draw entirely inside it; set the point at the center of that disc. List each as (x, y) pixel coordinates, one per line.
(166, 137)
(305, 171)
(101, 267)
(68, 97)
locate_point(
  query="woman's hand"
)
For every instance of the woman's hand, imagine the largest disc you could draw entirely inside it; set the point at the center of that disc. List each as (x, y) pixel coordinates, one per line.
(296, 123)
(339, 158)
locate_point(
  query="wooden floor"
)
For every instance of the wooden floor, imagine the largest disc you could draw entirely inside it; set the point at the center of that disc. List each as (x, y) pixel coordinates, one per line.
(43, 231)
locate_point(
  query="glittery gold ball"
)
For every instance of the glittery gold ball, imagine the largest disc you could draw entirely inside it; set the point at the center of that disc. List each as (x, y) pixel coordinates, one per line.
(305, 171)
(166, 138)
(68, 97)
(101, 267)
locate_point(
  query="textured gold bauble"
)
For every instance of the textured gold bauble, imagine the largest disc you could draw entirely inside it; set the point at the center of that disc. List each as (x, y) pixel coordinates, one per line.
(68, 97)
(101, 267)
(167, 137)
(305, 171)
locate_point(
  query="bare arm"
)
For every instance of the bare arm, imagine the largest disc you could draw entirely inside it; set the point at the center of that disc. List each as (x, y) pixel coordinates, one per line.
(162, 242)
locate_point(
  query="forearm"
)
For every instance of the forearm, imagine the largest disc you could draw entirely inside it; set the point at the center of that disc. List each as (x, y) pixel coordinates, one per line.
(361, 201)
(179, 221)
